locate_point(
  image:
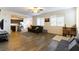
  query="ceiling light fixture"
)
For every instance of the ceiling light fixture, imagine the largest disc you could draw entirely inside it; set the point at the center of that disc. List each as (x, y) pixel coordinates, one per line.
(36, 9)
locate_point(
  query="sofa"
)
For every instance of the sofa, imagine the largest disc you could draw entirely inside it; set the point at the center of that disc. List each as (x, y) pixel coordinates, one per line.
(35, 29)
(71, 45)
(3, 35)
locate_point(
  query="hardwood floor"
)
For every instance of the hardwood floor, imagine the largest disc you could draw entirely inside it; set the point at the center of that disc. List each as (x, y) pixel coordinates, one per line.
(26, 42)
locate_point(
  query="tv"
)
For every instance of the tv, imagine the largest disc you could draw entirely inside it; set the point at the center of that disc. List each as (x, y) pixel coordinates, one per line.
(2, 24)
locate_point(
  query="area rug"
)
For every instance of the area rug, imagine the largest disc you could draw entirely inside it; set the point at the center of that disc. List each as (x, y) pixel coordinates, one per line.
(42, 40)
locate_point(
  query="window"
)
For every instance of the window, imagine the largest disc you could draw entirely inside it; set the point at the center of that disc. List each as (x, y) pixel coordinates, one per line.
(53, 21)
(57, 21)
(40, 21)
(60, 21)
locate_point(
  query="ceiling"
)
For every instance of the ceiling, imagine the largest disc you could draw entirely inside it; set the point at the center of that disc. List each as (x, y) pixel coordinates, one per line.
(27, 11)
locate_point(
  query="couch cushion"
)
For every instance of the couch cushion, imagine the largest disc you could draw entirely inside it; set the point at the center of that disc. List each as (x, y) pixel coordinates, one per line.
(62, 46)
(72, 44)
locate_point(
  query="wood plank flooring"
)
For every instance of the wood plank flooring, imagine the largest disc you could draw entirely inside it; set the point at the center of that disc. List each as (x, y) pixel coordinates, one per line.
(26, 42)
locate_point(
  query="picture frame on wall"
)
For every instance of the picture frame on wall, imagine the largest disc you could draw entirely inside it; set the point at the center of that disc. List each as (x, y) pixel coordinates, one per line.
(47, 19)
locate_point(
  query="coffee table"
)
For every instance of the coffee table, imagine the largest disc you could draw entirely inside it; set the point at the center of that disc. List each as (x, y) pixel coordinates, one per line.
(59, 38)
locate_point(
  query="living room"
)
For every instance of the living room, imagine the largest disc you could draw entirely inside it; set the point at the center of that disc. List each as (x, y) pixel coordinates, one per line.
(56, 23)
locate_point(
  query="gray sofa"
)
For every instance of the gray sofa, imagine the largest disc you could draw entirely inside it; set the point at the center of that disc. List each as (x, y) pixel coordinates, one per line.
(71, 45)
(3, 35)
(62, 46)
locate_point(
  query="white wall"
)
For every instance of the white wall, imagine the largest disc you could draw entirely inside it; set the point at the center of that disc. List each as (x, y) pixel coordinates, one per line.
(26, 23)
(6, 15)
(77, 19)
(69, 20)
(34, 20)
(69, 15)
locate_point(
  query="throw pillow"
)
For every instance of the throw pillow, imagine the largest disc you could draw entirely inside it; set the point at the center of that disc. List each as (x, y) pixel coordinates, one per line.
(36, 28)
(72, 44)
(71, 39)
